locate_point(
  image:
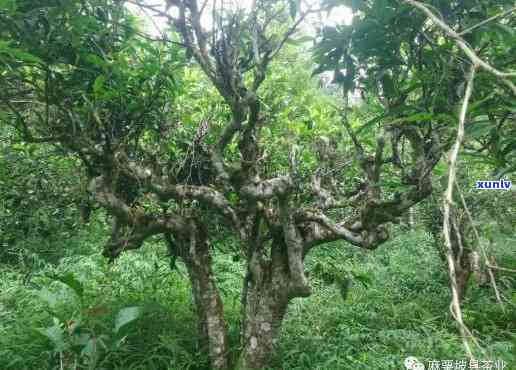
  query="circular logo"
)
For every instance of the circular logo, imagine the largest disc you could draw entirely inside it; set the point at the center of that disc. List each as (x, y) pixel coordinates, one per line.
(412, 363)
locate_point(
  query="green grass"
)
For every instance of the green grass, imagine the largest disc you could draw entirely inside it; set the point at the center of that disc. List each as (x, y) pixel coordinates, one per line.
(396, 306)
(403, 312)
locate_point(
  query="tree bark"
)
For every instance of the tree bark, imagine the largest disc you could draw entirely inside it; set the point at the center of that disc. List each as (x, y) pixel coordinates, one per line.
(263, 316)
(463, 273)
(211, 324)
(209, 307)
(266, 295)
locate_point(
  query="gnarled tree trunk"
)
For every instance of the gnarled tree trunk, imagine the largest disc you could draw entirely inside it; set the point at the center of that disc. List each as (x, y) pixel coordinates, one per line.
(209, 307)
(265, 299)
(263, 314)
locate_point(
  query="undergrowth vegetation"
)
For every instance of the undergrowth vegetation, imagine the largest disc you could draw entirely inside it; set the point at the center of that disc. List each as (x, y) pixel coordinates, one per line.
(369, 312)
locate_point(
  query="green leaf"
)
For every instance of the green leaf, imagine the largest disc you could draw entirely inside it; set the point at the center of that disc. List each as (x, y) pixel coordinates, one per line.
(96, 60)
(391, 184)
(55, 335)
(47, 296)
(440, 169)
(70, 281)
(125, 316)
(8, 5)
(504, 30)
(344, 284)
(18, 53)
(509, 145)
(90, 350)
(364, 279)
(369, 124)
(24, 56)
(481, 126)
(98, 85)
(419, 117)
